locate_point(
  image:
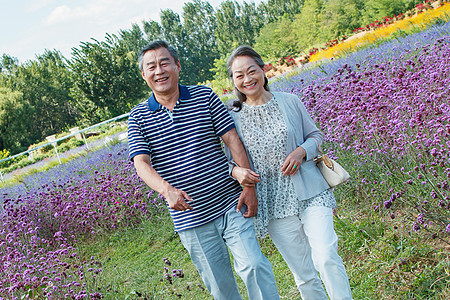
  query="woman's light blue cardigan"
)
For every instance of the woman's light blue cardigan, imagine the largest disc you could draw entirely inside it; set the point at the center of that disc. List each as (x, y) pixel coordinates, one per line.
(302, 131)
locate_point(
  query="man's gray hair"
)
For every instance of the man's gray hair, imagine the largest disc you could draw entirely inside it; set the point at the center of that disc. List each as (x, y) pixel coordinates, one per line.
(153, 46)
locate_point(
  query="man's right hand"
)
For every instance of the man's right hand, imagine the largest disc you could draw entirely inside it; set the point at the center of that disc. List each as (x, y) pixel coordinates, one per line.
(177, 199)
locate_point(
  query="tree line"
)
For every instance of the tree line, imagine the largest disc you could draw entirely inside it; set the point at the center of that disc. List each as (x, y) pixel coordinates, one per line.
(101, 80)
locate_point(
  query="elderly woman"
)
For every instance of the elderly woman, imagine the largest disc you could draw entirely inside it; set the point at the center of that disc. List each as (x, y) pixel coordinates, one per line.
(295, 203)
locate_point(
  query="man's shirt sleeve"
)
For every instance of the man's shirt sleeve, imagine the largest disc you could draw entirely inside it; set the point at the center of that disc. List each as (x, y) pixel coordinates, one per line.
(222, 120)
(137, 143)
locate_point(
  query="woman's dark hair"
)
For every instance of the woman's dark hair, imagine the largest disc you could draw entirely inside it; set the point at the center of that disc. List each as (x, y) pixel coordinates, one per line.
(245, 51)
(153, 46)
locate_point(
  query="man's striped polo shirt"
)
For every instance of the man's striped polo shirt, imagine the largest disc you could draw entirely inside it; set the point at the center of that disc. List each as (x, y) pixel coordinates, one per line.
(185, 150)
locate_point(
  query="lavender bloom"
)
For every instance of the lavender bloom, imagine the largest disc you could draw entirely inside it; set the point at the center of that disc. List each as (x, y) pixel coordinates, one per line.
(420, 219)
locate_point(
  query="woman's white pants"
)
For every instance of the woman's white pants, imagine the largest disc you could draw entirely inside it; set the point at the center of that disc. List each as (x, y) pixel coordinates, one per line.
(308, 244)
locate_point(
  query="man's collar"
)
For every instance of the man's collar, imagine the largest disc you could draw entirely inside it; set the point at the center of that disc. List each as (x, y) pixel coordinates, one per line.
(184, 92)
(154, 105)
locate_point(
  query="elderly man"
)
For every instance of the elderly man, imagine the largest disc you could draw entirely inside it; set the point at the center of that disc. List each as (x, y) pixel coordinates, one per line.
(174, 142)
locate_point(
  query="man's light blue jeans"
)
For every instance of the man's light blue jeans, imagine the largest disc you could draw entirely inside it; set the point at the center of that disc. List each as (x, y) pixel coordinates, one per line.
(207, 246)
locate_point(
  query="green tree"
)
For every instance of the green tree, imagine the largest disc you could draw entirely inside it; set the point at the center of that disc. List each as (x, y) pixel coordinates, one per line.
(173, 31)
(152, 30)
(277, 40)
(107, 81)
(341, 17)
(14, 134)
(133, 38)
(274, 10)
(8, 65)
(237, 25)
(176, 35)
(307, 26)
(199, 26)
(410, 4)
(378, 9)
(44, 86)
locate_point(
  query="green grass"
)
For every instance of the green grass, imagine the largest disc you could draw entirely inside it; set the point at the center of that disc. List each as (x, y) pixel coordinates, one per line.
(385, 261)
(132, 261)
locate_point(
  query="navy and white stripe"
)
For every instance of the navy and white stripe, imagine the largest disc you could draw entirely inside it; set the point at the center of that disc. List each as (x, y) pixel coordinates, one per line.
(185, 150)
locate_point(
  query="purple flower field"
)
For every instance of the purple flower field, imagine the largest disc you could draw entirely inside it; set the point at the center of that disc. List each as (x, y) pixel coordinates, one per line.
(390, 117)
(44, 217)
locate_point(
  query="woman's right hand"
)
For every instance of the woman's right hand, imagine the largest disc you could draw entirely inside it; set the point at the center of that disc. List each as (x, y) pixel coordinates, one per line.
(244, 176)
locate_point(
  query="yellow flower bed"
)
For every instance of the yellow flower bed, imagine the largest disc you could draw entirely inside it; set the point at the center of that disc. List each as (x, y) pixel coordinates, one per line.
(350, 45)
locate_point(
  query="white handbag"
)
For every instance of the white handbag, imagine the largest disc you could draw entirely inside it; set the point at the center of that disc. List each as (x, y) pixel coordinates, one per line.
(331, 170)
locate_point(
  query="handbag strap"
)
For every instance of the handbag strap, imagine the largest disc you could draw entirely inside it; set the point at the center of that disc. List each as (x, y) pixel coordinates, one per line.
(324, 157)
(327, 161)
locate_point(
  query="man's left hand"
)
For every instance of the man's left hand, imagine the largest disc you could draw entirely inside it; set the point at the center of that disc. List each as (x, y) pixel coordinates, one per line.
(248, 197)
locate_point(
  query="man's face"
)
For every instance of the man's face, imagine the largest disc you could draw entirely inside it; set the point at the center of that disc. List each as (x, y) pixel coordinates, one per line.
(160, 71)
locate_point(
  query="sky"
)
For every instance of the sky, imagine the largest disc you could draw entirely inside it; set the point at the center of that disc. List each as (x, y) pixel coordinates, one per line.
(28, 27)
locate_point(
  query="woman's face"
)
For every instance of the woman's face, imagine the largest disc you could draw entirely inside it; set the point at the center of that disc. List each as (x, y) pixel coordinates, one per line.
(248, 77)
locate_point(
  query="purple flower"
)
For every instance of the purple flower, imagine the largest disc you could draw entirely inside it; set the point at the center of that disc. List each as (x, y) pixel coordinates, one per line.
(388, 204)
(420, 219)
